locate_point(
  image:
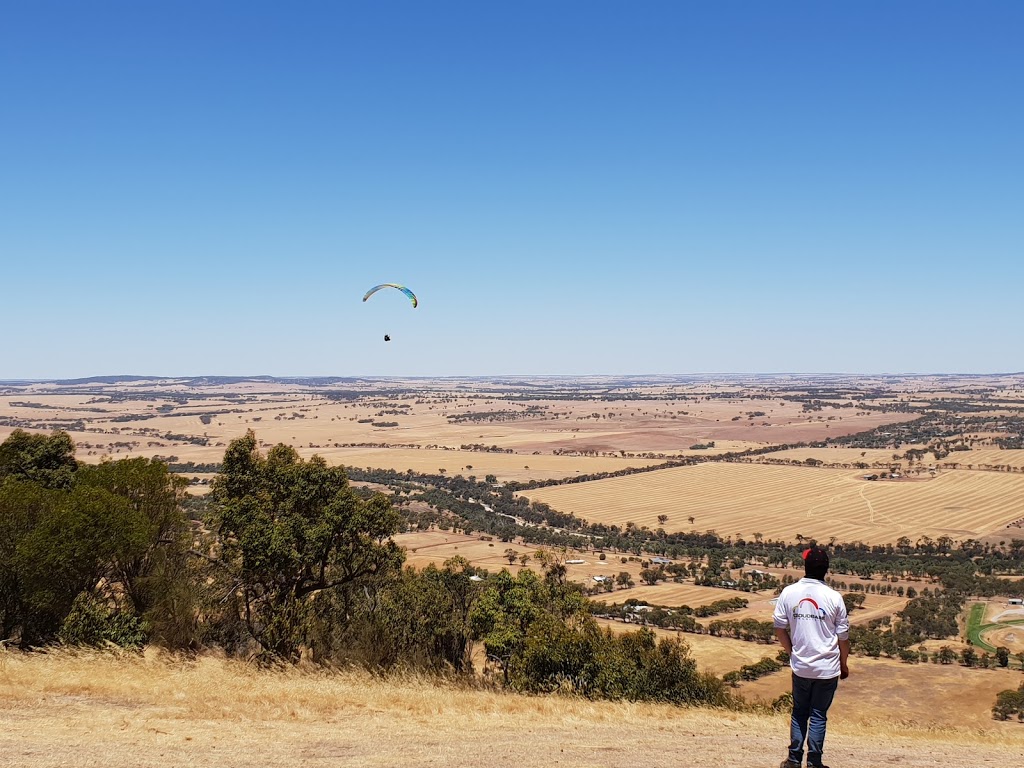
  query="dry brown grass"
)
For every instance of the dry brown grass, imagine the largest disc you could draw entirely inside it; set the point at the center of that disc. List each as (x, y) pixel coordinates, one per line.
(885, 691)
(97, 710)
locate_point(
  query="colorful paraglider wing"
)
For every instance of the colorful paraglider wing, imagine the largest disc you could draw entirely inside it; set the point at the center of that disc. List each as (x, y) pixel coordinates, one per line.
(402, 288)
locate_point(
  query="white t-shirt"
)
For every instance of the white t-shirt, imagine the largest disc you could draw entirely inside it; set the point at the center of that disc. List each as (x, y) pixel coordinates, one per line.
(815, 616)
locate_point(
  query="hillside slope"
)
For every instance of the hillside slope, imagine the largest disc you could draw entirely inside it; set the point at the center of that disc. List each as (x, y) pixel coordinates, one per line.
(98, 710)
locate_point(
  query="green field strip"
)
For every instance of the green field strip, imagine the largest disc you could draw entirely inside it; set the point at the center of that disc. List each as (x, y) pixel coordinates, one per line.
(974, 626)
(976, 630)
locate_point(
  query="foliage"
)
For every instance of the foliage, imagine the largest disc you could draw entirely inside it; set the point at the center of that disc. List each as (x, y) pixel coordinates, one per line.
(749, 672)
(418, 619)
(289, 529)
(146, 572)
(54, 545)
(1009, 703)
(91, 622)
(541, 634)
(46, 461)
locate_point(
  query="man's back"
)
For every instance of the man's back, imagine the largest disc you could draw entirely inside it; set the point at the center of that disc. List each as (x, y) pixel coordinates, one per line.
(816, 618)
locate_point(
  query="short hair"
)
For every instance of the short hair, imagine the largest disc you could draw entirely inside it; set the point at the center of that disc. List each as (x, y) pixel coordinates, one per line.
(815, 563)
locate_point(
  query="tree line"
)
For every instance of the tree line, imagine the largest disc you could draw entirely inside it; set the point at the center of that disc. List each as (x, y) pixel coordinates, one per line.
(289, 561)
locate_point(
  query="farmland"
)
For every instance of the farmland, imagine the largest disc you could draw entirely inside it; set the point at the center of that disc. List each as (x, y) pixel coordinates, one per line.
(583, 482)
(883, 458)
(784, 503)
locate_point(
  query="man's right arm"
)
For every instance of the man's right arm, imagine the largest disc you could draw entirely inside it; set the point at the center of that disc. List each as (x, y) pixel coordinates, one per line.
(844, 652)
(782, 635)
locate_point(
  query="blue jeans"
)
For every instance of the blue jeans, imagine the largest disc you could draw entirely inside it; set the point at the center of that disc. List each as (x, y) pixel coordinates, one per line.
(811, 700)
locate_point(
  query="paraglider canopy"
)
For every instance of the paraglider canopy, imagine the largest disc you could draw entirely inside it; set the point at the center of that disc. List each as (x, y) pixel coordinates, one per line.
(402, 288)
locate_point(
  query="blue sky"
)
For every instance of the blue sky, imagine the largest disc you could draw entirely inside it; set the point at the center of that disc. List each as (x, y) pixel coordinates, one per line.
(570, 187)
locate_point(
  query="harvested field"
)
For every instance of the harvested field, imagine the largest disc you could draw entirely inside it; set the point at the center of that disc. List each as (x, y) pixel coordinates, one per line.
(717, 655)
(875, 457)
(503, 466)
(759, 604)
(781, 502)
(425, 547)
(987, 457)
(672, 595)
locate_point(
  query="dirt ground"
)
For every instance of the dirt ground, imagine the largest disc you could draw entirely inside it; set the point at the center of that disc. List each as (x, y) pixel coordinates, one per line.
(87, 712)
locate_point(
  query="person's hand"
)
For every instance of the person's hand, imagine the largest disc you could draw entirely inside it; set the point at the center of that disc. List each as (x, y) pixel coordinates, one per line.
(844, 672)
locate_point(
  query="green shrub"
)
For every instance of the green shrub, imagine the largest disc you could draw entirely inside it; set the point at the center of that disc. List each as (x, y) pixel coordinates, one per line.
(92, 623)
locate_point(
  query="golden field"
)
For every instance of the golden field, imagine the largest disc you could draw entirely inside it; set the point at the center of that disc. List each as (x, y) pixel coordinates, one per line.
(980, 458)
(876, 457)
(782, 502)
(976, 458)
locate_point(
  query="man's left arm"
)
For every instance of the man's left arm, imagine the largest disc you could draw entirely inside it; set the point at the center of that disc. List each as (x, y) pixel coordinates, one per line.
(843, 635)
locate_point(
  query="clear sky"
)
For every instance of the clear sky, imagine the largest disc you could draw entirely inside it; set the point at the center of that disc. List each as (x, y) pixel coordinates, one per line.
(570, 187)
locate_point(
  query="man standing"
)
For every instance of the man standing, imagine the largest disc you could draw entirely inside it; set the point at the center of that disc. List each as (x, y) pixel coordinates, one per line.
(812, 626)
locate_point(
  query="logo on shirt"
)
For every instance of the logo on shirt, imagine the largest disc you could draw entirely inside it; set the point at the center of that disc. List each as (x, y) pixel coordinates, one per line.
(818, 614)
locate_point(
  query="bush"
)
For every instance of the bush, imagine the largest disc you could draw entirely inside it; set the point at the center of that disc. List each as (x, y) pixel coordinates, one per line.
(91, 623)
(1009, 703)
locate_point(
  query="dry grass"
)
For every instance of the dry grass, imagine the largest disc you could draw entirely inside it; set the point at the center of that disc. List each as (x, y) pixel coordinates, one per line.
(96, 710)
(781, 502)
(884, 691)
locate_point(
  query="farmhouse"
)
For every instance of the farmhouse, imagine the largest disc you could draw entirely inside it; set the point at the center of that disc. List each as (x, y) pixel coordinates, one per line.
(661, 561)
(1015, 601)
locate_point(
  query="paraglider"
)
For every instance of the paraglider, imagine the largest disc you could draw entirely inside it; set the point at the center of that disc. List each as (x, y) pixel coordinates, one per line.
(402, 288)
(396, 286)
